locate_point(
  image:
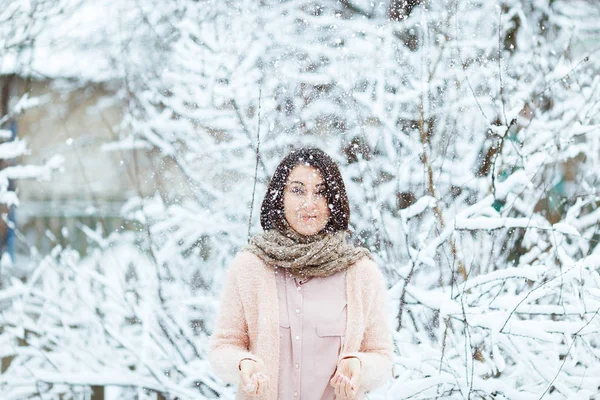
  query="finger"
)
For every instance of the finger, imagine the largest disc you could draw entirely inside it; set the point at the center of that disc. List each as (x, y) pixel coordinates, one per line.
(258, 389)
(354, 384)
(344, 388)
(337, 387)
(249, 387)
(349, 383)
(263, 388)
(263, 383)
(351, 391)
(333, 381)
(253, 385)
(261, 375)
(350, 388)
(341, 387)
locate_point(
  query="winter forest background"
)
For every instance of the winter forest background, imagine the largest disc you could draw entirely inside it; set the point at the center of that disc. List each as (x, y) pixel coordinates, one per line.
(138, 138)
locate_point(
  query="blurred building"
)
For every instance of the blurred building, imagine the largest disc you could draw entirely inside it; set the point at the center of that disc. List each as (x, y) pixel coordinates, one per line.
(78, 124)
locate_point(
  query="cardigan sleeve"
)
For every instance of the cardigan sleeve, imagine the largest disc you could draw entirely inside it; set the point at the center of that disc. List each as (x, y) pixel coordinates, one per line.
(229, 341)
(376, 349)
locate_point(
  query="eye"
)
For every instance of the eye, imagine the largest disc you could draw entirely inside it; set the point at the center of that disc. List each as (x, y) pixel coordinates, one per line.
(296, 190)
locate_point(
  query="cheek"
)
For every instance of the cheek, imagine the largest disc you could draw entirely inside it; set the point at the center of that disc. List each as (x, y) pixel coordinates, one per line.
(324, 208)
(324, 211)
(290, 207)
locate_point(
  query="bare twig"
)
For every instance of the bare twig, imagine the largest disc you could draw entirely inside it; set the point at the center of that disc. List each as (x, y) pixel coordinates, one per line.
(500, 65)
(257, 161)
(575, 336)
(498, 149)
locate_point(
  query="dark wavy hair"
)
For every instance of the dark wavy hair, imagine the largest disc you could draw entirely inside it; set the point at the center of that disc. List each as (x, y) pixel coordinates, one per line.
(271, 211)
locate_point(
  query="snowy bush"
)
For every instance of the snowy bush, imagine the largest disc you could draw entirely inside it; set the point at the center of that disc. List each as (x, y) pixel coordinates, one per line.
(468, 136)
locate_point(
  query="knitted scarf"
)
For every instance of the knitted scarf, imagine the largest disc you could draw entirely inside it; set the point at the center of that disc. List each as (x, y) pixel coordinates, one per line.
(319, 255)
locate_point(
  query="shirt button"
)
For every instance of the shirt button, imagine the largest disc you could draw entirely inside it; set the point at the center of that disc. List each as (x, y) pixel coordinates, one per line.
(298, 288)
(297, 337)
(297, 365)
(295, 394)
(297, 311)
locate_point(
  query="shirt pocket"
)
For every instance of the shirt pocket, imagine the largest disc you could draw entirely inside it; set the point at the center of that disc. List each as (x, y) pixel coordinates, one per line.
(328, 344)
(284, 317)
(331, 328)
(332, 322)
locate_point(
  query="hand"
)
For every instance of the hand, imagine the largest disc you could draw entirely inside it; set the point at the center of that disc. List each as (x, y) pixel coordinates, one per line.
(346, 380)
(254, 381)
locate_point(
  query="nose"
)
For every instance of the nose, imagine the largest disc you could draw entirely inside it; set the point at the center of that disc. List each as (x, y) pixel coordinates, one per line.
(309, 201)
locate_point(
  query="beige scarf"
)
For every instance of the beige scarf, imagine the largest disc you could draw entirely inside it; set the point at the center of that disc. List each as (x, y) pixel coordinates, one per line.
(321, 255)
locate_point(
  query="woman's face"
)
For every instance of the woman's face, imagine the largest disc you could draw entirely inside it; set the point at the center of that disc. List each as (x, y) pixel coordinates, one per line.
(304, 201)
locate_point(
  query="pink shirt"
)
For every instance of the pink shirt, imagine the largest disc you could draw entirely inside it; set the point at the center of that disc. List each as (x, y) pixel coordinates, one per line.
(312, 321)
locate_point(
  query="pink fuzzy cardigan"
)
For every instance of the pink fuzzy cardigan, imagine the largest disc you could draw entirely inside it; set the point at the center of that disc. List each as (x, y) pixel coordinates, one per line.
(248, 323)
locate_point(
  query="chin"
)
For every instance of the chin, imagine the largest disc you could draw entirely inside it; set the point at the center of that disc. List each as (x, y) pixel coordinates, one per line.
(309, 231)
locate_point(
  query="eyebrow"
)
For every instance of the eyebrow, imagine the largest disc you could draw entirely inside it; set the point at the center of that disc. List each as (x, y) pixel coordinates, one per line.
(300, 183)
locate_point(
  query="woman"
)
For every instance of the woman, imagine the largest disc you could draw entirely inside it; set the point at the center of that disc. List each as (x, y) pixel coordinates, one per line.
(303, 314)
